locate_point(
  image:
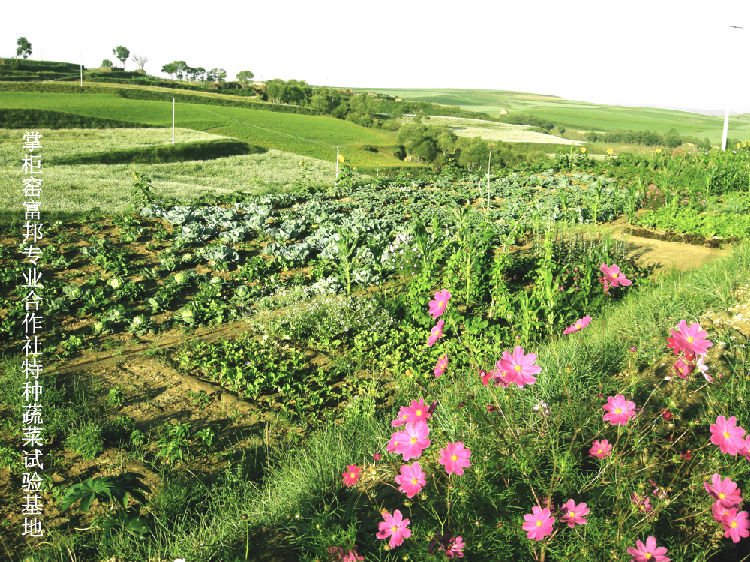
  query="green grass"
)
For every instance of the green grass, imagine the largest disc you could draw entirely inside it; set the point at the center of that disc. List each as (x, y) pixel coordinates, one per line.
(80, 188)
(315, 136)
(581, 115)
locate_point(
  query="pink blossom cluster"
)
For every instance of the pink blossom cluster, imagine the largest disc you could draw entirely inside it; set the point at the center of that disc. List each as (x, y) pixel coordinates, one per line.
(727, 500)
(689, 343)
(538, 524)
(437, 307)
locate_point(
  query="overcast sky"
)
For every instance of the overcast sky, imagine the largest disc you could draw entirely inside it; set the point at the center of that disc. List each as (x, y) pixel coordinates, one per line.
(668, 53)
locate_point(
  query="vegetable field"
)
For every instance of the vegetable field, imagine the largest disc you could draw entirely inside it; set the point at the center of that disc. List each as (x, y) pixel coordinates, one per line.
(266, 356)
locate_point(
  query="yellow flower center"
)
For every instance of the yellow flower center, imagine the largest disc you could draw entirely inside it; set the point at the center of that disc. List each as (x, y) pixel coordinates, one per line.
(352, 475)
(578, 325)
(726, 435)
(572, 513)
(518, 368)
(454, 458)
(413, 480)
(418, 413)
(413, 439)
(394, 529)
(690, 339)
(618, 411)
(440, 303)
(538, 523)
(648, 556)
(721, 495)
(599, 451)
(395, 443)
(733, 524)
(405, 417)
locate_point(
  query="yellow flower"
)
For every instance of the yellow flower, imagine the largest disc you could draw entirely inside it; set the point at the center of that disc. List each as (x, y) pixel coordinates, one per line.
(658, 150)
(583, 150)
(739, 145)
(610, 151)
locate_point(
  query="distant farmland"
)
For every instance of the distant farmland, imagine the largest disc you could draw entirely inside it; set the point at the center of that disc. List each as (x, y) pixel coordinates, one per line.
(579, 115)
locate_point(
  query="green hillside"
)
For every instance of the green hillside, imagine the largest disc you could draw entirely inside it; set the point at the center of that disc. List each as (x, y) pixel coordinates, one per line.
(315, 136)
(580, 115)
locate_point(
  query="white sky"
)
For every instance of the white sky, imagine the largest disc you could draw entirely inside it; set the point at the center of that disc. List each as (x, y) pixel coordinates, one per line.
(670, 53)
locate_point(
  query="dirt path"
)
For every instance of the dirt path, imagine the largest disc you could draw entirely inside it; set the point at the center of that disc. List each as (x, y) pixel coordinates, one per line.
(661, 254)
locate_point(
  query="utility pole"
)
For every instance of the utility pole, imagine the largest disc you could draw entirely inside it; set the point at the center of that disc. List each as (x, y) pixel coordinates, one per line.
(172, 121)
(725, 132)
(489, 160)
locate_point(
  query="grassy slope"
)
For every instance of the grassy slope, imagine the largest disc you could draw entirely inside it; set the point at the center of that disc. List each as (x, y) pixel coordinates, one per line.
(315, 136)
(79, 188)
(582, 115)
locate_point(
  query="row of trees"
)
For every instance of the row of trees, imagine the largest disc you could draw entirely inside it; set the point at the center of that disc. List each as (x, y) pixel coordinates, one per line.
(671, 139)
(180, 70)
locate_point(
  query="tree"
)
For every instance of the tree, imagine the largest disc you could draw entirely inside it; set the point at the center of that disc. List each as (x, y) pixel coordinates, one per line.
(24, 47)
(170, 68)
(181, 68)
(244, 77)
(122, 54)
(196, 74)
(139, 60)
(106, 63)
(216, 75)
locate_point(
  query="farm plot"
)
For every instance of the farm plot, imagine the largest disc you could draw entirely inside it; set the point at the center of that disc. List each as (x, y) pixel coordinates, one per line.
(297, 321)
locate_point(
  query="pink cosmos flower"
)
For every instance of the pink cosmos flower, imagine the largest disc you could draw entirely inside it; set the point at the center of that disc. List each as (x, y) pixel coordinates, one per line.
(648, 552)
(438, 306)
(719, 512)
(440, 366)
(455, 457)
(642, 503)
(338, 554)
(351, 475)
(417, 411)
(394, 526)
(501, 376)
(745, 449)
(538, 523)
(519, 366)
(411, 479)
(411, 441)
(613, 276)
(727, 436)
(619, 410)
(573, 514)
(683, 369)
(703, 369)
(577, 325)
(485, 376)
(436, 333)
(600, 449)
(736, 525)
(692, 339)
(456, 548)
(725, 491)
